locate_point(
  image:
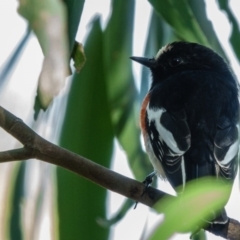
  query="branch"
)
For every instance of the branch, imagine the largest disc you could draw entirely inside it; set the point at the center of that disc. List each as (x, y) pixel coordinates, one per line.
(228, 231)
(35, 146)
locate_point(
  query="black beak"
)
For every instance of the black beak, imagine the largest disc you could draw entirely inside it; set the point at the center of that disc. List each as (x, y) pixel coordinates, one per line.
(148, 62)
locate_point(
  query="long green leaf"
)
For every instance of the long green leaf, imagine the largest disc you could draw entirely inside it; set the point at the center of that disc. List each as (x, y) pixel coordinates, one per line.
(74, 12)
(16, 217)
(122, 93)
(199, 11)
(235, 35)
(121, 88)
(9, 65)
(159, 34)
(179, 16)
(87, 130)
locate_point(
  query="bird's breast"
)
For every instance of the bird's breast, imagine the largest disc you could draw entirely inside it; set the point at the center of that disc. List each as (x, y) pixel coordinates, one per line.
(143, 113)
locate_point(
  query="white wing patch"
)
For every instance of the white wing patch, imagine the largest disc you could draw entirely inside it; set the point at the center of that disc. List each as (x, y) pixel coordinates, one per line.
(183, 172)
(154, 160)
(154, 115)
(231, 153)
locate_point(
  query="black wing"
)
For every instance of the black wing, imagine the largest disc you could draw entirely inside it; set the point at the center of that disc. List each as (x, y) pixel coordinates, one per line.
(170, 138)
(226, 146)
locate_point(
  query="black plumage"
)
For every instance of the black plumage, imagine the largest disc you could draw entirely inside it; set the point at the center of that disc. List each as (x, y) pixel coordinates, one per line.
(190, 117)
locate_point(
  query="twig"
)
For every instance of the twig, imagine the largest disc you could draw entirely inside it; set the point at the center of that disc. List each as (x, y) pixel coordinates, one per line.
(35, 146)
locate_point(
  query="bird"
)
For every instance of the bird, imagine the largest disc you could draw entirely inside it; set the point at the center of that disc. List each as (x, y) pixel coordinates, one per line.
(189, 118)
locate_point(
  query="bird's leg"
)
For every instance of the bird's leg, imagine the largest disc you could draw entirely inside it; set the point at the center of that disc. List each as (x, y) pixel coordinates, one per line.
(147, 182)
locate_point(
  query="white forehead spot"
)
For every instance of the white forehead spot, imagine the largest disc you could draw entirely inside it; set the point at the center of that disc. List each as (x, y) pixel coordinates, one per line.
(162, 50)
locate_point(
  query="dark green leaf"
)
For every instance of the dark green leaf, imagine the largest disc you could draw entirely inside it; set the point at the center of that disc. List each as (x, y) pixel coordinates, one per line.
(199, 11)
(179, 16)
(159, 34)
(121, 88)
(74, 12)
(235, 35)
(18, 193)
(87, 130)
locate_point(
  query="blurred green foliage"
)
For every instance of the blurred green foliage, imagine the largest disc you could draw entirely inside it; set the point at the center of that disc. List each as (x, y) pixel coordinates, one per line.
(185, 213)
(103, 106)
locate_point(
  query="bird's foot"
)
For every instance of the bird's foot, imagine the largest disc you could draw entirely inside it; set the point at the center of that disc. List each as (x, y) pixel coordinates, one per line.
(147, 182)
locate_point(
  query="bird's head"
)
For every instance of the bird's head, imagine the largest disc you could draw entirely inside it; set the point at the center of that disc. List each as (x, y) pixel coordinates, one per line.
(179, 57)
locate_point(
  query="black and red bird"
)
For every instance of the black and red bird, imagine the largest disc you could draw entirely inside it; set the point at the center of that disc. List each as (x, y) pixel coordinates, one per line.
(190, 116)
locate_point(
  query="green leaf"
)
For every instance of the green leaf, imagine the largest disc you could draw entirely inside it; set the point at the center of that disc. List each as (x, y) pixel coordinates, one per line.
(122, 92)
(74, 13)
(186, 213)
(18, 195)
(159, 34)
(179, 16)
(87, 130)
(199, 10)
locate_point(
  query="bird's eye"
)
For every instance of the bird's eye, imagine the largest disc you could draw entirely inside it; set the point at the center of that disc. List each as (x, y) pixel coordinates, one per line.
(175, 61)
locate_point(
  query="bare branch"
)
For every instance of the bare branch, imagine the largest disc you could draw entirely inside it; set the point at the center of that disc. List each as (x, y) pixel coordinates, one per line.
(39, 148)
(229, 231)
(16, 154)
